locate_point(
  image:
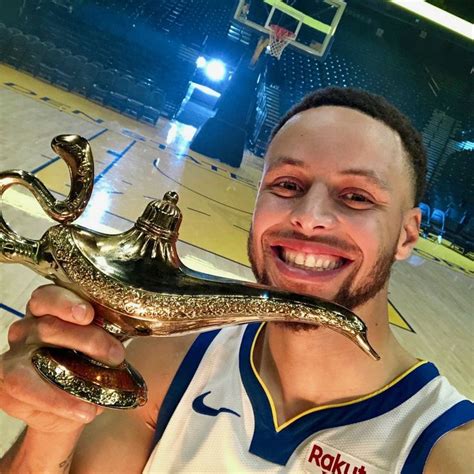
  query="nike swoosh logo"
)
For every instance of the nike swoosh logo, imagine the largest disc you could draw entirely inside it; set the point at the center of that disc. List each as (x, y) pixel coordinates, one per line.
(200, 407)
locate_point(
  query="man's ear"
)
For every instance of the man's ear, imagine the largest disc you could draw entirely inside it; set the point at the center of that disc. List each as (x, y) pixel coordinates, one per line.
(408, 233)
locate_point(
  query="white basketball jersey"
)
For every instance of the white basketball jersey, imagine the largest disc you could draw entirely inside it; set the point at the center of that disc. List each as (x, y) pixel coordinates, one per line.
(219, 417)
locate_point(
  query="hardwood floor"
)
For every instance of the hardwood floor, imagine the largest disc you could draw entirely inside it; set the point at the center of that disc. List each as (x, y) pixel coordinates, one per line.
(431, 304)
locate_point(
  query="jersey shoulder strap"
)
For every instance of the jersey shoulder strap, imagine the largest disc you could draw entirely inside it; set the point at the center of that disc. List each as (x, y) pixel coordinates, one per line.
(181, 381)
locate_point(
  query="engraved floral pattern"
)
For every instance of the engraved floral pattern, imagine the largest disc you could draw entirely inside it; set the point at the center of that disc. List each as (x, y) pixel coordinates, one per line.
(59, 375)
(145, 305)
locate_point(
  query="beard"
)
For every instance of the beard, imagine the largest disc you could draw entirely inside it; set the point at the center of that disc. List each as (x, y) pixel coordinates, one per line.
(350, 295)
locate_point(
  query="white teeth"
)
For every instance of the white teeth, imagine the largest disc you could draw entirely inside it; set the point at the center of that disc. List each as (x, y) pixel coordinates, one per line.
(300, 259)
(315, 262)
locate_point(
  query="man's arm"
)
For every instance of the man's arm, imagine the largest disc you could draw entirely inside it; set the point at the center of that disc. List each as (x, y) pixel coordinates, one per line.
(120, 441)
(39, 452)
(55, 419)
(116, 441)
(454, 452)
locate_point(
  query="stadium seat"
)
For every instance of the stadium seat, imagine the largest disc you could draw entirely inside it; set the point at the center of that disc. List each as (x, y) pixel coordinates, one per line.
(3, 41)
(139, 94)
(50, 60)
(14, 32)
(33, 56)
(465, 238)
(15, 50)
(66, 72)
(152, 110)
(425, 216)
(437, 223)
(32, 39)
(457, 219)
(119, 95)
(86, 77)
(102, 86)
(6, 36)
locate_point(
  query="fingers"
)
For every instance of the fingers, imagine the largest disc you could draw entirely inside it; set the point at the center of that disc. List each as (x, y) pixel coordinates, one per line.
(59, 317)
(17, 402)
(55, 317)
(48, 330)
(16, 332)
(27, 397)
(61, 303)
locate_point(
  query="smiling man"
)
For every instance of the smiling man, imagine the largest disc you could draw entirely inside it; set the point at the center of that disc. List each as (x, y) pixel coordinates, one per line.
(335, 209)
(338, 188)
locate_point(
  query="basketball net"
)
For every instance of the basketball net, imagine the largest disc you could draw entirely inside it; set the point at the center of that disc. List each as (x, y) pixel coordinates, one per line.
(279, 39)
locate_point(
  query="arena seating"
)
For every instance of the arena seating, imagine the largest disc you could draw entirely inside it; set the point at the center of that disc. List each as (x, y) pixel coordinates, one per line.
(465, 239)
(151, 110)
(425, 216)
(437, 223)
(119, 94)
(139, 58)
(141, 98)
(102, 86)
(86, 77)
(66, 74)
(33, 56)
(16, 48)
(138, 97)
(53, 59)
(267, 114)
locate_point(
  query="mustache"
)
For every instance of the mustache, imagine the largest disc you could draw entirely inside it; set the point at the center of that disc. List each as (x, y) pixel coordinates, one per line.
(330, 240)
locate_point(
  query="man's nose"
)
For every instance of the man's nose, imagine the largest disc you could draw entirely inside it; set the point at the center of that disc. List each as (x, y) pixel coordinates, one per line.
(314, 210)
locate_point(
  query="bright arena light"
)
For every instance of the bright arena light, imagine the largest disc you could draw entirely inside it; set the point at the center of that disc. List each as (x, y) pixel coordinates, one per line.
(201, 62)
(444, 18)
(215, 70)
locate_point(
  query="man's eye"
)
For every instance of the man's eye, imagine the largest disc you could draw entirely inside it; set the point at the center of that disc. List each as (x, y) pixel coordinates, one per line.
(288, 185)
(286, 188)
(357, 198)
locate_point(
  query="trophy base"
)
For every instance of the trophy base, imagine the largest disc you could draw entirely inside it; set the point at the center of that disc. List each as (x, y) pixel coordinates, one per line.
(120, 387)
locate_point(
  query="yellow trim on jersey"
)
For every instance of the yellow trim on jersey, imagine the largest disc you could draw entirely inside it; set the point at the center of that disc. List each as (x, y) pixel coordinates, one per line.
(278, 427)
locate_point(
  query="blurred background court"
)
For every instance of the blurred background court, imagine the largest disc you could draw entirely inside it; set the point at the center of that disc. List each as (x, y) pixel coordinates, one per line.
(182, 95)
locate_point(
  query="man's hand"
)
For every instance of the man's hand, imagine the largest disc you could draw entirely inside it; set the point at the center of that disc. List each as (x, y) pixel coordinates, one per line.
(55, 317)
(56, 419)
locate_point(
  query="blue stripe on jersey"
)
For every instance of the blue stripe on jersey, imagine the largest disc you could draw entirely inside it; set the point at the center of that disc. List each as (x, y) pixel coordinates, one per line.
(181, 381)
(456, 416)
(277, 447)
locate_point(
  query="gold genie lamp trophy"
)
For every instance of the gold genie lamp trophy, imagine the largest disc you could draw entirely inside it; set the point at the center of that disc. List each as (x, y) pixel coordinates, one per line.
(137, 284)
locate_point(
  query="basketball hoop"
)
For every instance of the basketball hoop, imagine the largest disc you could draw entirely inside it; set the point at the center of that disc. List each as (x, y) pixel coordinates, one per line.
(279, 39)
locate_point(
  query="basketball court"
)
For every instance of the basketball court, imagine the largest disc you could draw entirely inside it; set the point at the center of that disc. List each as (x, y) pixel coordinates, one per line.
(430, 295)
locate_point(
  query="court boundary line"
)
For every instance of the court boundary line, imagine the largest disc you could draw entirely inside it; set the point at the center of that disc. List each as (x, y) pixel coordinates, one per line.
(11, 310)
(118, 156)
(233, 176)
(199, 194)
(200, 212)
(241, 228)
(146, 140)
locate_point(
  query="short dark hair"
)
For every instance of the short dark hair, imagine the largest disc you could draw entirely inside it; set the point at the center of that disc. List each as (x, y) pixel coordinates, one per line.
(380, 109)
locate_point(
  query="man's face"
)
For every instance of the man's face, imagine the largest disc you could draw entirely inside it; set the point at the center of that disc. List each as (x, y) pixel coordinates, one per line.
(334, 207)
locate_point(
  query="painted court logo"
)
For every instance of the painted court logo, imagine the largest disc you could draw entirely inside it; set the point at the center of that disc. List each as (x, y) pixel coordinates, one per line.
(327, 460)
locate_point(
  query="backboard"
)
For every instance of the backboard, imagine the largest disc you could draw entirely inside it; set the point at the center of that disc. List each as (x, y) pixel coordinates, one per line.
(313, 22)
